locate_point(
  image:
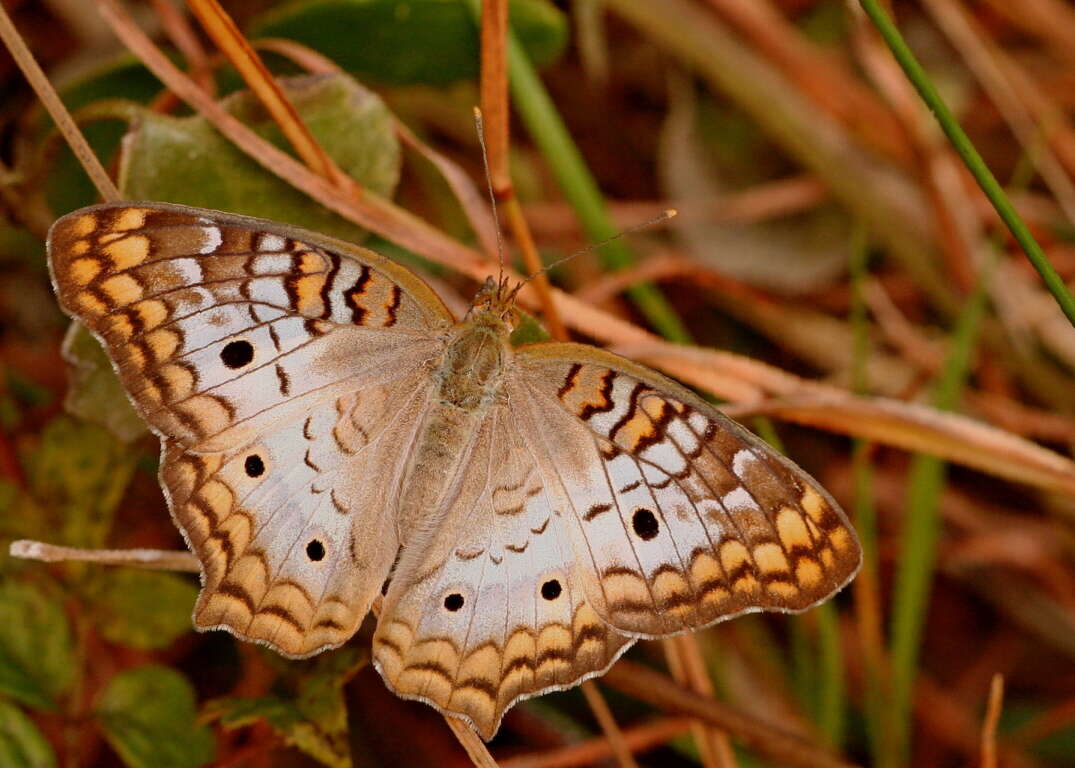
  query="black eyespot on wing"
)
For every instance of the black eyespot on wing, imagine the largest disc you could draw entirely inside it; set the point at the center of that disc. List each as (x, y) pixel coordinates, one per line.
(645, 523)
(551, 589)
(236, 354)
(453, 602)
(315, 550)
(254, 466)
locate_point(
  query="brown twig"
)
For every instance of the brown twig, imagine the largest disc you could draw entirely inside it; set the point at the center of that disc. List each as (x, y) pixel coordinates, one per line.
(890, 421)
(638, 739)
(156, 559)
(958, 229)
(767, 739)
(989, 725)
(471, 743)
(496, 140)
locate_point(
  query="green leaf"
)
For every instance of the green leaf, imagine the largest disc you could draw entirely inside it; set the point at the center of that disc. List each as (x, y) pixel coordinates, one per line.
(79, 472)
(528, 330)
(148, 716)
(143, 609)
(184, 160)
(282, 715)
(21, 743)
(37, 661)
(320, 694)
(409, 41)
(315, 721)
(94, 392)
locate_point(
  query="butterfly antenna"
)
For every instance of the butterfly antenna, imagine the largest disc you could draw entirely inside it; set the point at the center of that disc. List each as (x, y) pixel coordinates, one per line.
(664, 216)
(480, 125)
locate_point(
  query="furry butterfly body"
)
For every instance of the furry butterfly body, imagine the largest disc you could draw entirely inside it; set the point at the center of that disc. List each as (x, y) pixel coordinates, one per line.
(328, 426)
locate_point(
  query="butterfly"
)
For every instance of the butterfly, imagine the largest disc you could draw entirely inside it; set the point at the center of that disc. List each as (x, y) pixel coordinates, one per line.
(330, 433)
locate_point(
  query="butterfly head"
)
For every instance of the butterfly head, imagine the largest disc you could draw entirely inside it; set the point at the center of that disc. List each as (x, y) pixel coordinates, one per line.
(495, 300)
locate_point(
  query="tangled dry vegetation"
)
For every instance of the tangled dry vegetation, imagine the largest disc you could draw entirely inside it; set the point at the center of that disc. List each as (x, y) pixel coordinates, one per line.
(836, 278)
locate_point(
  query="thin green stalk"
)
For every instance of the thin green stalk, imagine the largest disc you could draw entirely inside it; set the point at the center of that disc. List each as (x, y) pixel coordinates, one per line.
(831, 698)
(817, 653)
(918, 548)
(578, 185)
(971, 158)
(803, 664)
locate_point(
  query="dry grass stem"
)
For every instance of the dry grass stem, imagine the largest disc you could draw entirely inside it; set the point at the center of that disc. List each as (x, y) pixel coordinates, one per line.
(470, 197)
(638, 738)
(620, 749)
(234, 45)
(44, 90)
(687, 668)
(948, 719)
(156, 559)
(819, 74)
(186, 42)
(769, 740)
(494, 91)
(920, 429)
(304, 56)
(990, 66)
(471, 743)
(538, 279)
(992, 717)
(554, 220)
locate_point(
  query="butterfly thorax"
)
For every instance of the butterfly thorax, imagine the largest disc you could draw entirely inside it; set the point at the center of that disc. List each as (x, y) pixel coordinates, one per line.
(468, 381)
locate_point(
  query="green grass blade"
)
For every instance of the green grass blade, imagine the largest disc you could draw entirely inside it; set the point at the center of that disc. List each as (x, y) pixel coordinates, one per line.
(831, 696)
(921, 530)
(971, 158)
(580, 188)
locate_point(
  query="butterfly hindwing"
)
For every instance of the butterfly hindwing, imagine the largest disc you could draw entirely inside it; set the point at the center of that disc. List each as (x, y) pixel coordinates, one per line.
(487, 608)
(680, 516)
(295, 531)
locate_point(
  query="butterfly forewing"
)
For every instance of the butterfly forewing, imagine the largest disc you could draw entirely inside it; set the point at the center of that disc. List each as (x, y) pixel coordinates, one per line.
(199, 309)
(679, 516)
(281, 369)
